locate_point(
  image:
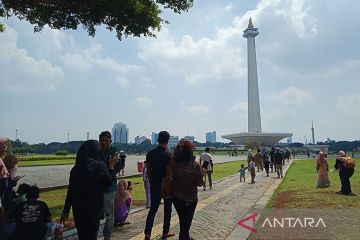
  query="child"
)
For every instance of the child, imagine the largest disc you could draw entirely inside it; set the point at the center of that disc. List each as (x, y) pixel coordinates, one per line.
(146, 186)
(31, 217)
(252, 170)
(242, 172)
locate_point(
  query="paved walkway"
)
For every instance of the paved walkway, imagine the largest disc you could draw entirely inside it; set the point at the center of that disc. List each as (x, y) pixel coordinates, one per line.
(217, 212)
(57, 175)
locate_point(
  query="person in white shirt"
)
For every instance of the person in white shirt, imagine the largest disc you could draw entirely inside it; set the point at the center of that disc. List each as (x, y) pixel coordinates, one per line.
(207, 164)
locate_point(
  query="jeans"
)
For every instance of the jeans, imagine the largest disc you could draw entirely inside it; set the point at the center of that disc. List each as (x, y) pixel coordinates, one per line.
(109, 198)
(154, 206)
(185, 211)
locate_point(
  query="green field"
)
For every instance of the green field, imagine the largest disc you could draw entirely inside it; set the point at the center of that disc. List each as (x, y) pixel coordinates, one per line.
(298, 189)
(43, 160)
(55, 199)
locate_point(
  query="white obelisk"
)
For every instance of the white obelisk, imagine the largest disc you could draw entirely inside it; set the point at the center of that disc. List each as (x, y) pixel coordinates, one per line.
(254, 118)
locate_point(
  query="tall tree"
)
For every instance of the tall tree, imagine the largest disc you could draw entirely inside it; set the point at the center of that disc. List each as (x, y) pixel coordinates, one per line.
(127, 17)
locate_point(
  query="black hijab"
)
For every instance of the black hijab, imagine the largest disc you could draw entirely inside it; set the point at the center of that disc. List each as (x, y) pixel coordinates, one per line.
(88, 161)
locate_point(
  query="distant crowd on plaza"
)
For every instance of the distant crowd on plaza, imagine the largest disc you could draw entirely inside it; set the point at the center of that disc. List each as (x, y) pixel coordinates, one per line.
(171, 178)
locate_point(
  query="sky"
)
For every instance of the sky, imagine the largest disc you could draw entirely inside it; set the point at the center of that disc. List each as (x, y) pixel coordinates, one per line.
(192, 78)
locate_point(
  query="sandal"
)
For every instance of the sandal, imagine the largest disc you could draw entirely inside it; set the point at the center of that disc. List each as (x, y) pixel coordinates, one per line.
(164, 236)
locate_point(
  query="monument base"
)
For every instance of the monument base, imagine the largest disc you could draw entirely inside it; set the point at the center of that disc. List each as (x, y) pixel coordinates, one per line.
(246, 138)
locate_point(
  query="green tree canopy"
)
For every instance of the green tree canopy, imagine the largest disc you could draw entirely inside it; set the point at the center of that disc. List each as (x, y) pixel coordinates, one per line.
(127, 17)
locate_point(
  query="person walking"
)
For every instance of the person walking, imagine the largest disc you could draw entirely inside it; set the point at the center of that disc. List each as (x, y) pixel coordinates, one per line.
(157, 160)
(272, 163)
(88, 179)
(187, 176)
(259, 161)
(279, 158)
(345, 165)
(206, 163)
(106, 151)
(322, 169)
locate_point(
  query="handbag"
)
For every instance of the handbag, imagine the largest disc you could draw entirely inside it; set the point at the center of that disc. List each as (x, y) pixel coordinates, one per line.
(166, 186)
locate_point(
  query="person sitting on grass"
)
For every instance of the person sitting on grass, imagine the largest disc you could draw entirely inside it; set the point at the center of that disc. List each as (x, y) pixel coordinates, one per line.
(31, 217)
(122, 203)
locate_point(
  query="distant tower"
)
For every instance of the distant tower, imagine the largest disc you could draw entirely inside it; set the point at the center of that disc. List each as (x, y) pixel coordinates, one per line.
(87, 135)
(312, 132)
(254, 119)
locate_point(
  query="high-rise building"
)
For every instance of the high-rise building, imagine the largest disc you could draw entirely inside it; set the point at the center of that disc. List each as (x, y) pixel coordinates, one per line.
(190, 138)
(120, 133)
(173, 141)
(211, 137)
(154, 138)
(140, 139)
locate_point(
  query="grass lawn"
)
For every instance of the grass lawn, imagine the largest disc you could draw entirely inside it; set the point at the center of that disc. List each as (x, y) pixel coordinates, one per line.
(298, 189)
(46, 162)
(56, 198)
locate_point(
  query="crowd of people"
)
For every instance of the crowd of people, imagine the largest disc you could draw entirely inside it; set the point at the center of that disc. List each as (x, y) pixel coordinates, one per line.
(94, 192)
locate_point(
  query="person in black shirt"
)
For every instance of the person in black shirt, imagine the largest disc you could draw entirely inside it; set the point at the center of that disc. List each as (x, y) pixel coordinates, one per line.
(31, 217)
(157, 160)
(88, 179)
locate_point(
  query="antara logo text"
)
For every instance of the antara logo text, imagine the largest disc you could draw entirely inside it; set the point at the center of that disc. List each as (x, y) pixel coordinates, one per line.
(290, 222)
(285, 222)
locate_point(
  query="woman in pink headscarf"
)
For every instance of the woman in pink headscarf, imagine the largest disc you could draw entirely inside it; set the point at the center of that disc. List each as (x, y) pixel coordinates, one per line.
(122, 203)
(322, 169)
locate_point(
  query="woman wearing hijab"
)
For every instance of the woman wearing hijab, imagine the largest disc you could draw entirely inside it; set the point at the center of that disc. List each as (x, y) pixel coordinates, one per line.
(122, 203)
(322, 169)
(85, 193)
(344, 174)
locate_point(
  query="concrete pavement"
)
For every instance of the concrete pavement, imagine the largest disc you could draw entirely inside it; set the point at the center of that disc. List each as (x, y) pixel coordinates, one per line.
(218, 210)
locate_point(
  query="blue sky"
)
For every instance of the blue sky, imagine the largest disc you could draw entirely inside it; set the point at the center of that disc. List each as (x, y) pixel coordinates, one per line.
(192, 78)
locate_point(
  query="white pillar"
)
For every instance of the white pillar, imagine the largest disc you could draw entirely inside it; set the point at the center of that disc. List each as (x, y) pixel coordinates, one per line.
(254, 118)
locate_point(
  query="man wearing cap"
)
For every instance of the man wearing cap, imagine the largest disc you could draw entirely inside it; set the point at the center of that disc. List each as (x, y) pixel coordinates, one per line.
(157, 160)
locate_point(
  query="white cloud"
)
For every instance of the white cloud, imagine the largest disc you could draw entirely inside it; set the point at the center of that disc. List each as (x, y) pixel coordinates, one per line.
(228, 7)
(349, 104)
(143, 101)
(122, 81)
(291, 96)
(239, 107)
(76, 61)
(21, 72)
(198, 109)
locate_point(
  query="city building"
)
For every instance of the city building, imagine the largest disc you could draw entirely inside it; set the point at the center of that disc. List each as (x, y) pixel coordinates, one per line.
(190, 138)
(211, 137)
(140, 139)
(154, 138)
(120, 133)
(173, 141)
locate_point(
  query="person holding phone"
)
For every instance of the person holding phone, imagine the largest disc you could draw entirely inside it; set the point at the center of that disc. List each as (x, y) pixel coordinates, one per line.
(10, 162)
(85, 195)
(106, 153)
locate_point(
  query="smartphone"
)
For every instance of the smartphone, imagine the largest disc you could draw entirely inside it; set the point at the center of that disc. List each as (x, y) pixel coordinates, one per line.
(113, 151)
